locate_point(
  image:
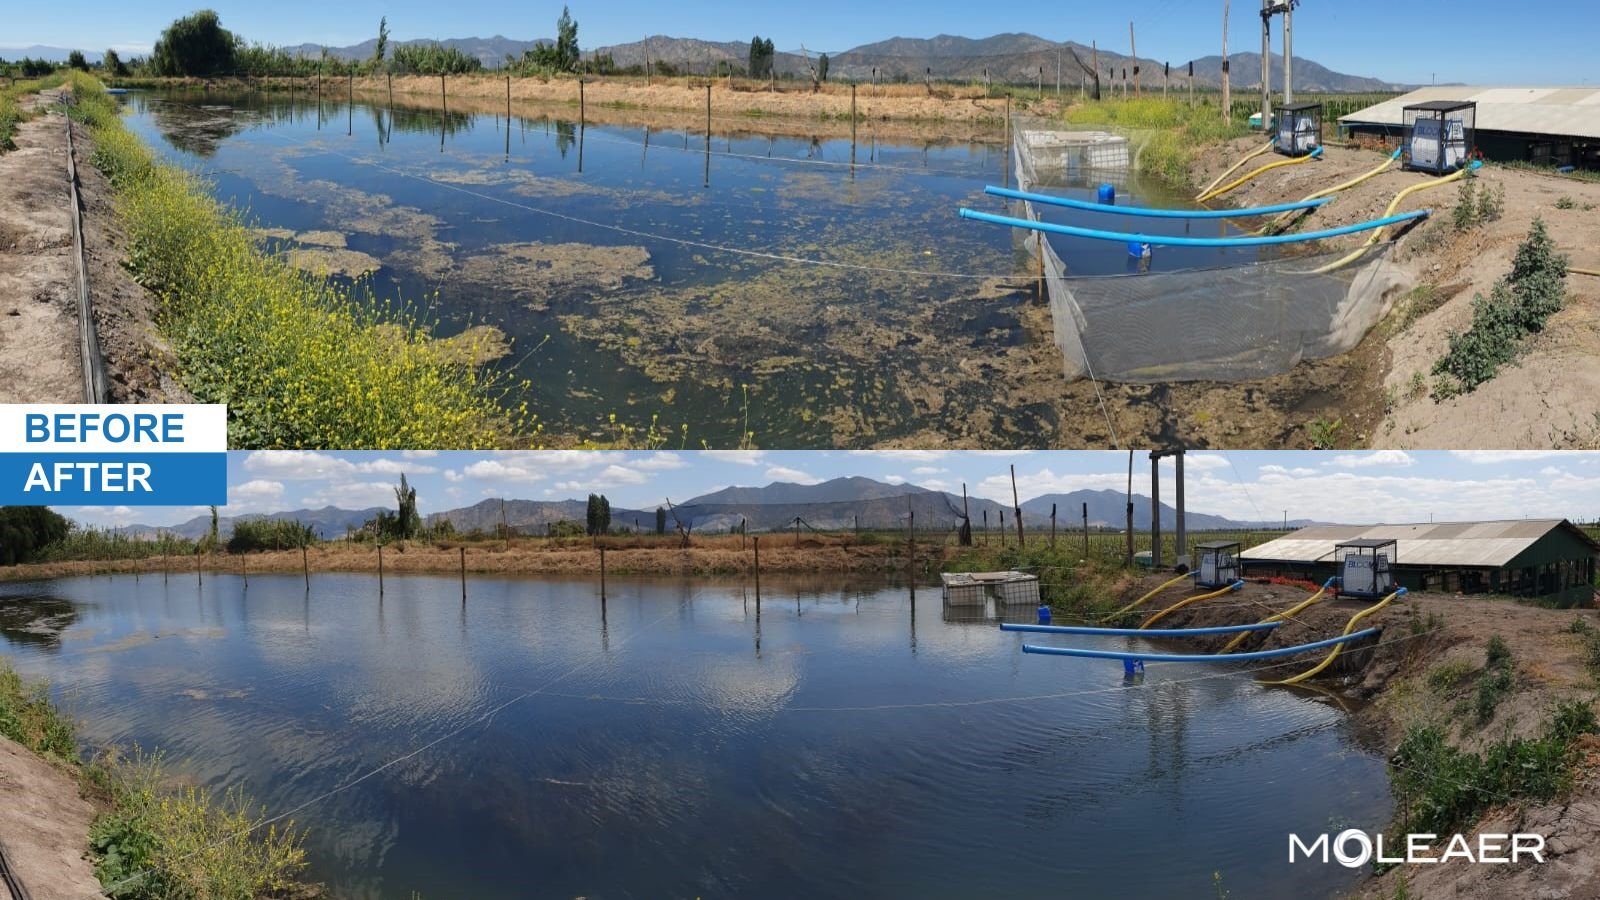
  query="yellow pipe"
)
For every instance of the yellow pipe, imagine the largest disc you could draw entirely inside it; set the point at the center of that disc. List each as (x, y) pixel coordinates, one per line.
(1377, 233)
(1348, 628)
(1234, 168)
(1279, 617)
(1583, 271)
(1325, 192)
(1182, 603)
(1141, 600)
(1290, 161)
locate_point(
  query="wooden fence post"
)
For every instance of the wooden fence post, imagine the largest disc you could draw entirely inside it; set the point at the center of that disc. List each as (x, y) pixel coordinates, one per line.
(463, 575)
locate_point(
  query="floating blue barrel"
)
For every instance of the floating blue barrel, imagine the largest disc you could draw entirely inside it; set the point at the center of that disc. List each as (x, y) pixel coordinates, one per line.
(1044, 615)
(1108, 194)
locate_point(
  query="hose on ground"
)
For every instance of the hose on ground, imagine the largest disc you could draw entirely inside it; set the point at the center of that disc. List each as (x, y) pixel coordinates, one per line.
(1182, 603)
(1275, 224)
(1287, 614)
(1348, 628)
(1393, 205)
(1291, 161)
(1235, 167)
(1137, 603)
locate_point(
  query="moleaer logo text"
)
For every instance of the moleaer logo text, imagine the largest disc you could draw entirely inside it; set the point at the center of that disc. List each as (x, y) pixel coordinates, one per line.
(1355, 848)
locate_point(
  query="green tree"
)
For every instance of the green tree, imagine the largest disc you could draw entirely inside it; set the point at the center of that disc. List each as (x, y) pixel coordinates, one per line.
(113, 64)
(27, 530)
(196, 44)
(762, 52)
(822, 67)
(605, 515)
(661, 521)
(381, 49)
(75, 60)
(566, 52)
(592, 514)
(407, 522)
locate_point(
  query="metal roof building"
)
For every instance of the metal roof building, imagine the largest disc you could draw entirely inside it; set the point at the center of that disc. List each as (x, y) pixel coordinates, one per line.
(1557, 126)
(1546, 558)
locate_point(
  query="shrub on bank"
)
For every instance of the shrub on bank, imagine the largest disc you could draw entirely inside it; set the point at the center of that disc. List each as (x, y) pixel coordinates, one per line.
(152, 843)
(300, 360)
(1517, 307)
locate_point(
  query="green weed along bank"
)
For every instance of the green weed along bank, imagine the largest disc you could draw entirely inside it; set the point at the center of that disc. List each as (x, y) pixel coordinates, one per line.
(300, 360)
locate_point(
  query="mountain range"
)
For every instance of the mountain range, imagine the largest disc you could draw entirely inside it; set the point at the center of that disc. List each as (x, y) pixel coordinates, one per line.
(840, 503)
(1012, 57)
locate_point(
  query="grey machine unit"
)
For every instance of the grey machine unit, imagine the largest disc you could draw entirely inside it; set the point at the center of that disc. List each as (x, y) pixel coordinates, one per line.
(1366, 567)
(1218, 564)
(1299, 128)
(1439, 135)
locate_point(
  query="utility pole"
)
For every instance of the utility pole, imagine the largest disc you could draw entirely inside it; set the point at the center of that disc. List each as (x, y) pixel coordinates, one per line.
(1133, 50)
(1266, 64)
(1180, 536)
(1129, 532)
(1227, 93)
(1288, 50)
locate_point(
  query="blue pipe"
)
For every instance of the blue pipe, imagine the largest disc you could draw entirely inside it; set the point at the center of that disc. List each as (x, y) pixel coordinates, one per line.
(1136, 632)
(1155, 213)
(1191, 657)
(1171, 241)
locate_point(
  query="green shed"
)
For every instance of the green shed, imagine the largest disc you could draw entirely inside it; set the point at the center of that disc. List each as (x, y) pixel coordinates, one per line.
(1551, 560)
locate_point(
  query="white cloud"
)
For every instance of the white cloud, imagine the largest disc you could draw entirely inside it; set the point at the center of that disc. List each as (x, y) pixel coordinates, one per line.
(1489, 457)
(257, 496)
(419, 454)
(1203, 462)
(454, 477)
(659, 462)
(1375, 459)
(354, 495)
(1296, 472)
(609, 477)
(293, 465)
(894, 479)
(738, 457)
(912, 455)
(383, 466)
(928, 470)
(784, 473)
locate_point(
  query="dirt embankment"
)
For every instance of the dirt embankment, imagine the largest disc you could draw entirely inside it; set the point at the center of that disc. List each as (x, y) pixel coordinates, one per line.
(38, 307)
(44, 828)
(1424, 670)
(40, 359)
(1551, 395)
(884, 102)
(713, 556)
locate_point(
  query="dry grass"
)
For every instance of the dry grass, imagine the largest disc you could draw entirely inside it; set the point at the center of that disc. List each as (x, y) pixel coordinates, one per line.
(641, 555)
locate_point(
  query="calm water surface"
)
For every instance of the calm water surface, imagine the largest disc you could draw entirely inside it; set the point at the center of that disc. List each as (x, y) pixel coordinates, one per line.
(682, 741)
(442, 200)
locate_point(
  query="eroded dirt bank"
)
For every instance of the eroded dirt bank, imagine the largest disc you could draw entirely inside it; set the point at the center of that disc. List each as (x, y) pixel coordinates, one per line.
(44, 827)
(40, 359)
(1426, 669)
(1550, 396)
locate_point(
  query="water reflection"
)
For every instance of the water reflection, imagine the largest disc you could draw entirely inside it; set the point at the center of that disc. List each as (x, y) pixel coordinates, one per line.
(693, 738)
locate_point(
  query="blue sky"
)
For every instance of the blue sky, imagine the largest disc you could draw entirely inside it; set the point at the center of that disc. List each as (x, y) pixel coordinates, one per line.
(1466, 40)
(1367, 486)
